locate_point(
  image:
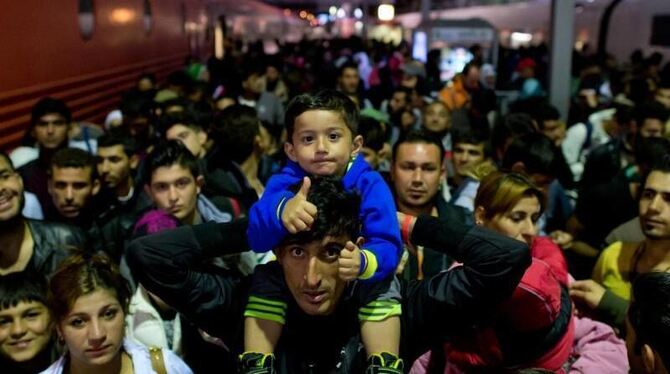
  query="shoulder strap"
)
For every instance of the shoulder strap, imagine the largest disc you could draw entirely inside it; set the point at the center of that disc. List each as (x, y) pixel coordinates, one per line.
(157, 361)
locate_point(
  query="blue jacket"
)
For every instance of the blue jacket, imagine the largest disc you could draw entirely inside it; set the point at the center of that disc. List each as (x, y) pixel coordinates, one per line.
(382, 248)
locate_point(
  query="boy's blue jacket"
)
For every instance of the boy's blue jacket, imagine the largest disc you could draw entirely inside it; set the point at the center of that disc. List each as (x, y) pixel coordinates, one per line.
(381, 251)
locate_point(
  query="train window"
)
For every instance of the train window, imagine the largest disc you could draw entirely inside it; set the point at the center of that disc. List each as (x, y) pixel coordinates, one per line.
(660, 32)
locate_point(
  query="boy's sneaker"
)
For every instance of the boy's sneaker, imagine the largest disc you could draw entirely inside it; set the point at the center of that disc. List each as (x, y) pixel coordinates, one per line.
(256, 363)
(384, 363)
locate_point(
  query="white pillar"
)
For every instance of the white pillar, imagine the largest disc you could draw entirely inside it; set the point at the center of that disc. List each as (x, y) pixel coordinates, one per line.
(560, 54)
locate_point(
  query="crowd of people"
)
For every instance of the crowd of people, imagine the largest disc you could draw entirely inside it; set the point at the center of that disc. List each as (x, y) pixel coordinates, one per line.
(337, 208)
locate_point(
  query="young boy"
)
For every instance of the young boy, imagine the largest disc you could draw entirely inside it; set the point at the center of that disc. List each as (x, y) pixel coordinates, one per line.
(321, 142)
(26, 329)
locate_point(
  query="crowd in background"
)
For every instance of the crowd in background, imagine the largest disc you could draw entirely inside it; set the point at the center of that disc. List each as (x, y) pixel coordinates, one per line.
(588, 195)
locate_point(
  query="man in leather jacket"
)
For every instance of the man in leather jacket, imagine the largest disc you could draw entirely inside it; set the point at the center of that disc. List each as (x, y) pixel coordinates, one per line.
(169, 264)
(27, 245)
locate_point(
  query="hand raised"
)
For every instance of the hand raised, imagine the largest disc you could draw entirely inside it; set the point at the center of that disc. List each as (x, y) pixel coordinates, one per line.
(299, 214)
(349, 261)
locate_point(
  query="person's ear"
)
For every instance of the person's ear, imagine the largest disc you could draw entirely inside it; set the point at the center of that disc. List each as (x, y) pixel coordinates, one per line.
(443, 170)
(648, 358)
(360, 241)
(258, 144)
(357, 145)
(480, 215)
(199, 182)
(134, 161)
(50, 185)
(289, 149)
(96, 187)
(518, 167)
(147, 190)
(202, 137)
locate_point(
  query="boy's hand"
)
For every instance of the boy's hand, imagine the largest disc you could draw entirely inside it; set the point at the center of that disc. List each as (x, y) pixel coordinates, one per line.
(299, 214)
(350, 261)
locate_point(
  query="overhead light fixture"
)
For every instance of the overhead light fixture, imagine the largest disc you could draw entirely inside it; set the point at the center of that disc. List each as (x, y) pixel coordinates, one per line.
(332, 10)
(341, 13)
(386, 12)
(358, 13)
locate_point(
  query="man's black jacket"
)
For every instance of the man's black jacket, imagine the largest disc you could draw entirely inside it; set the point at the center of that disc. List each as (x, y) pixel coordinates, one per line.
(52, 244)
(169, 265)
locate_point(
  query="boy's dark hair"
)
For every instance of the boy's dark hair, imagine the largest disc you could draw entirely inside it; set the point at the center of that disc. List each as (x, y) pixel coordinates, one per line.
(118, 137)
(372, 132)
(418, 136)
(74, 158)
(338, 211)
(651, 110)
(184, 118)
(168, 154)
(329, 100)
(510, 126)
(49, 105)
(468, 135)
(234, 131)
(648, 313)
(24, 286)
(535, 151)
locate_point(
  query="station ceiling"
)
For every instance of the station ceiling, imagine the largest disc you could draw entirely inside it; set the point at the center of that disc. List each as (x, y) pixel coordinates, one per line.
(402, 6)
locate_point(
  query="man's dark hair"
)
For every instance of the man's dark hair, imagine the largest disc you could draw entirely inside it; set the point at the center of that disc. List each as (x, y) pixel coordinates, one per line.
(651, 110)
(405, 90)
(418, 136)
(329, 100)
(251, 68)
(178, 78)
(372, 132)
(545, 112)
(535, 151)
(168, 154)
(623, 114)
(184, 118)
(178, 102)
(473, 136)
(49, 105)
(345, 66)
(511, 125)
(74, 158)
(651, 154)
(649, 313)
(138, 107)
(24, 286)
(234, 131)
(4, 155)
(118, 137)
(149, 76)
(338, 211)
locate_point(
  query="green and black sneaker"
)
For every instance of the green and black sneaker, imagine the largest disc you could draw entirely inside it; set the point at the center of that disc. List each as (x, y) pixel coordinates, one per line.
(384, 363)
(256, 363)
